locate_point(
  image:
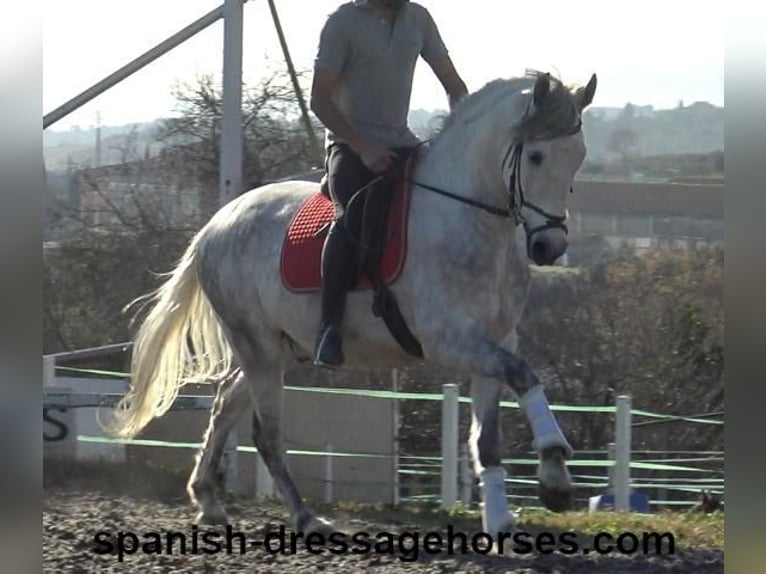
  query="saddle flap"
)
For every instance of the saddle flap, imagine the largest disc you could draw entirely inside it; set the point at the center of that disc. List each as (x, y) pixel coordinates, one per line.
(300, 263)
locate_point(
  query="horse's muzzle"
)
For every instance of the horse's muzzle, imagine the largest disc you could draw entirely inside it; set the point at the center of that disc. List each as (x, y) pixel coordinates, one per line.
(546, 248)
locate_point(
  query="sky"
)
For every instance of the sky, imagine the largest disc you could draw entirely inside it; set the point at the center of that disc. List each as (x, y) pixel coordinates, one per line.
(656, 52)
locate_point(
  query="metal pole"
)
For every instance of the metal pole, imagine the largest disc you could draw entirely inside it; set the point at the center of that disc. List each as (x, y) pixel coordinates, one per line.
(466, 476)
(449, 445)
(132, 67)
(91, 352)
(611, 455)
(395, 445)
(662, 492)
(230, 180)
(49, 371)
(622, 447)
(264, 483)
(231, 465)
(328, 474)
(296, 86)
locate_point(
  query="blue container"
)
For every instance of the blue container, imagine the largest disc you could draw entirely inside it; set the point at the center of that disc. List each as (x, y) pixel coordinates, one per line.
(638, 502)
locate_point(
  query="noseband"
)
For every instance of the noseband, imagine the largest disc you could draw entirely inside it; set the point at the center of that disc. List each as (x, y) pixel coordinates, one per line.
(515, 189)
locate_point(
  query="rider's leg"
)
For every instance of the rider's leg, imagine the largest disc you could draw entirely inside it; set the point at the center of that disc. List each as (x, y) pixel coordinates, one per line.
(337, 268)
(345, 175)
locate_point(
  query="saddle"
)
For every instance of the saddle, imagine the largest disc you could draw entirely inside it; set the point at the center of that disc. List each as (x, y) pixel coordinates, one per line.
(380, 213)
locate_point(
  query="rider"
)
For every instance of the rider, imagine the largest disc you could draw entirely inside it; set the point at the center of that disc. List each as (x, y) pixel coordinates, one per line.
(361, 90)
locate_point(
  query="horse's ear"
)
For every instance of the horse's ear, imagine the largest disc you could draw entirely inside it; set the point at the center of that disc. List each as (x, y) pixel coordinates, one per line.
(584, 96)
(542, 87)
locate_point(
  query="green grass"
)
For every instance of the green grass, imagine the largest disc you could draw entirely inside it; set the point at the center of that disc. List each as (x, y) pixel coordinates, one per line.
(689, 530)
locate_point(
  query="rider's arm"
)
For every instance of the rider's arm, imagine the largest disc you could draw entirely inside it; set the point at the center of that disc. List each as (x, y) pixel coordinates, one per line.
(447, 74)
(376, 158)
(322, 88)
(436, 54)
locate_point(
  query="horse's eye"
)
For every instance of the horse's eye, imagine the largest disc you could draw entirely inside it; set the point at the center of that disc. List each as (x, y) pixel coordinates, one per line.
(536, 157)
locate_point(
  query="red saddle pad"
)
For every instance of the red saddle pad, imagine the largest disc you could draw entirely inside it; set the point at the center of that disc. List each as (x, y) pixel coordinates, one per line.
(300, 264)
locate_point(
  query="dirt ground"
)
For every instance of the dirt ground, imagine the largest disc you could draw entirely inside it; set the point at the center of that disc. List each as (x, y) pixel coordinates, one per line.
(72, 518)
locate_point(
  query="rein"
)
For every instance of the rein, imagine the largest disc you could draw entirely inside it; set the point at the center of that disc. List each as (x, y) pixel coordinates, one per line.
(514, 184)
(514, 207)
(467, 200)
(514, 152)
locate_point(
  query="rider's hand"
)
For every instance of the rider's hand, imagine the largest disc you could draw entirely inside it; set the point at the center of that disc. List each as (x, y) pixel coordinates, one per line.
(377, 158)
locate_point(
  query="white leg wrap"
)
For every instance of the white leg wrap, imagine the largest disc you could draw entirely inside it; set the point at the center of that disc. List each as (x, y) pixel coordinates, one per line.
(495, 516)
(545, 428)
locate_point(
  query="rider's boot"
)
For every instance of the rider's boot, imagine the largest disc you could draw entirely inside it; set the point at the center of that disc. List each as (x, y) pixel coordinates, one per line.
(338, 270)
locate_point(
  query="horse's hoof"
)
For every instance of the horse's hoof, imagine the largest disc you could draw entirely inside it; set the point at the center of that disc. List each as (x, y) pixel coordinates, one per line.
(501, 535)
(505, 523)
(555, 487)
(556, 500)
(211, 519)
(508, 525)
(319, 525)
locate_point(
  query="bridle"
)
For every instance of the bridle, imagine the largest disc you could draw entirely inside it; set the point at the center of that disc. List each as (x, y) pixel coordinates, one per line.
(516, 199)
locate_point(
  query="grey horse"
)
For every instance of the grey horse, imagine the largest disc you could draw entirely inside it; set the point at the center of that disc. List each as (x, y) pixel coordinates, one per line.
(489, 195)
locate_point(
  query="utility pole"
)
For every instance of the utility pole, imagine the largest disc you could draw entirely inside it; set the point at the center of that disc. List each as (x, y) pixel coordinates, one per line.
(315, 148)
(230, 181)
(98, 139)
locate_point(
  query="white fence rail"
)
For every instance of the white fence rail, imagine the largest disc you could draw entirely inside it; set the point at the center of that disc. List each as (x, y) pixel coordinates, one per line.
(455, 476)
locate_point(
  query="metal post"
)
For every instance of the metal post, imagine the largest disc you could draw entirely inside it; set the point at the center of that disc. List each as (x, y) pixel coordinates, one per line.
(611, 455)
(315, 148)
(230, 180)
(93, 352)
(231, 466)
(49, 371)
(395, 445)
(466, 477)
(132, 67)
(449, 445)
(662, 492)
(328, 474)
(622, 447)
(264, 483)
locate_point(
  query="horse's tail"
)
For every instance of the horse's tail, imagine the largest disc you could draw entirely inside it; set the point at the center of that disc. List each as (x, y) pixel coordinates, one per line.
(179, 342)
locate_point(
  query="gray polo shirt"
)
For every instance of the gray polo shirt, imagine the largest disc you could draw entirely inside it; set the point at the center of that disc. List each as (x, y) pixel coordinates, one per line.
(376, 62)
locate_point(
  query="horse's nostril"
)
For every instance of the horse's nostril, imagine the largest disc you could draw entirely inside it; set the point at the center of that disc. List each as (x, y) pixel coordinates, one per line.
(539, 252)
(545, 252)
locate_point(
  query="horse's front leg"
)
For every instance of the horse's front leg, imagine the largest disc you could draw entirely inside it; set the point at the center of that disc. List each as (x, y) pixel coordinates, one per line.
(469, 351)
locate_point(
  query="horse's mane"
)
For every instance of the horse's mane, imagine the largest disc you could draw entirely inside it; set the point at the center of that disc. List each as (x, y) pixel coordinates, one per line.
(558, 115)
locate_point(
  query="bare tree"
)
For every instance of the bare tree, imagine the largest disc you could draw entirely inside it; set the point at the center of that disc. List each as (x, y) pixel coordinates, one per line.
(275, 144)
(134, 218)
(649, 326)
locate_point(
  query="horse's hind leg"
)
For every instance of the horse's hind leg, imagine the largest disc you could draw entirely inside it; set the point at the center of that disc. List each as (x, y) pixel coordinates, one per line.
(268, 393)
(232, 399)
(484, 443)
(263, 370)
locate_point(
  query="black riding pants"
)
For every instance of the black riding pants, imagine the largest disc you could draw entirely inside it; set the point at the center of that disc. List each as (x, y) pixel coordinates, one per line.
(347, 174)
